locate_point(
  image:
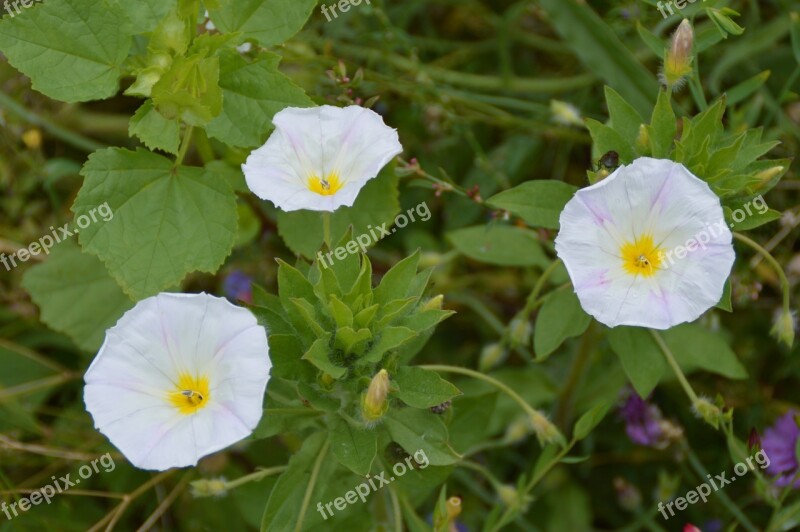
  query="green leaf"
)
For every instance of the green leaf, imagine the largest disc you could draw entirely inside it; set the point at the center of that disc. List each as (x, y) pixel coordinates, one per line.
(539, 203)
(750, 221)
(416, 430)
(422, 388)
(746, 88)
(607, 139)
(270, 22)
(561, 317)
(725, 301)
(190, 90)
(354, 447)
(319, 355)
(601, 51)
(655, 44)
(662, 127)
(143, 15)
(641, 358)
(72, 50)
(76, 295)
(502, 245)
(696, 348)
(795, 32)
(376, 206)
(624, 118)
(394, 284)
(590, 420)
(252, 93)
(161, 228)
(155, 131)
(391, 338)
(285, 502)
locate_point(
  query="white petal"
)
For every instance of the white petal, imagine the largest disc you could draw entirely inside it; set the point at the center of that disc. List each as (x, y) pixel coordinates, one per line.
(140, 363)
(648, 197)
(352, 142)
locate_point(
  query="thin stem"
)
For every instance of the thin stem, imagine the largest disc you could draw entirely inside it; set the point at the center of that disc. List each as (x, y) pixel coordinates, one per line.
(694, 461)
(769, 258)
(312, 482)
(397, 511)
(675, 367)
(39, 384)
(128, 498)
(165, 504)
(73, 139)
(533, 300)
(255, 476)
(185, 144)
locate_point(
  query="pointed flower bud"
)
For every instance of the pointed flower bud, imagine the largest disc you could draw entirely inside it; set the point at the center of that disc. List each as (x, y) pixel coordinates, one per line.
(753, 441)
(521, 331)
(545, 431)
(678, 58)
(707, 410)
(209, 487)
(492, 355)
(566, 114)
(374, 402)
(434, 303)
(784, 327)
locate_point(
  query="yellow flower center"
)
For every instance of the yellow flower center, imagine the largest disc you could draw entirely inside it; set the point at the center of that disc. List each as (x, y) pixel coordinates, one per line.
(325, 187)
(191, 394)
(641, 257)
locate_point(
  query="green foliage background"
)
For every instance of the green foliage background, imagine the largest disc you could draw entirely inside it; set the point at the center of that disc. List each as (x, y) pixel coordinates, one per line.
(140, 105)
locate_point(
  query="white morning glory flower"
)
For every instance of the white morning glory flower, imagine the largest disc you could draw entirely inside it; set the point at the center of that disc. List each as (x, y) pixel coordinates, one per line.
(178, 377)
(319, 158)
(647, 246)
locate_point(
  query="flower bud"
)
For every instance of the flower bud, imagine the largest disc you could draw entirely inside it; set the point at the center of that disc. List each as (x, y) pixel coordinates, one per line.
(708, 411)
(434, 303)
(517, 431)
(511, 497)
(374, 403)
(753, 441)
(765, 177)
(566, 114)
(521, 331)
(784, 327)
(628, 497)
(492, 355)
(643, 138)
(209, 487)
(453, 508)
(678, 59)
(545, 431)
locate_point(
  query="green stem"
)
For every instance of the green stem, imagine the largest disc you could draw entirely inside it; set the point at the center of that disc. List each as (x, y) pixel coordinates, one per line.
(312, 482)
(675, 367)
(769, 258)
(694, 461)
(185, 144)
(73, 139)
(533, 300)
(255, 476)
(543, 427)
(396, 510)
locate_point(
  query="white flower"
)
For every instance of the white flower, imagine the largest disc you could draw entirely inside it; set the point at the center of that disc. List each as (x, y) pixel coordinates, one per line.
(320, 158)
(178, 377)
(647, 246)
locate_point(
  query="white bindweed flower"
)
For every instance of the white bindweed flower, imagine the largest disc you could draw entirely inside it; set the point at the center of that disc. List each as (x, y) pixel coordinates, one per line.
(178, 377)
(647, 246)
(319, 158)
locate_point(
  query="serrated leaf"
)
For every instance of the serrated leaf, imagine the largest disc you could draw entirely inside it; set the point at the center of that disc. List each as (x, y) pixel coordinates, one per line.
(422, 388)
(539, 203)
(155, 131)
(561, 317)
(502, 245)
(354, 447)
(76, 295)
(72, 50)
(161, 229)
(252, 93)
(270, 22)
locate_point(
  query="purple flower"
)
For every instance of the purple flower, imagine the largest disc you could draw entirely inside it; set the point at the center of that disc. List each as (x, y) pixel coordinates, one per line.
(779, 443)
(642, 421)
(237, 286)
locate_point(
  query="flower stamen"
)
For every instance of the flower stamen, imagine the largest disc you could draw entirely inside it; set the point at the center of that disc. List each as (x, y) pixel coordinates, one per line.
(641, 257)
(192, 394)
(327, 186)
